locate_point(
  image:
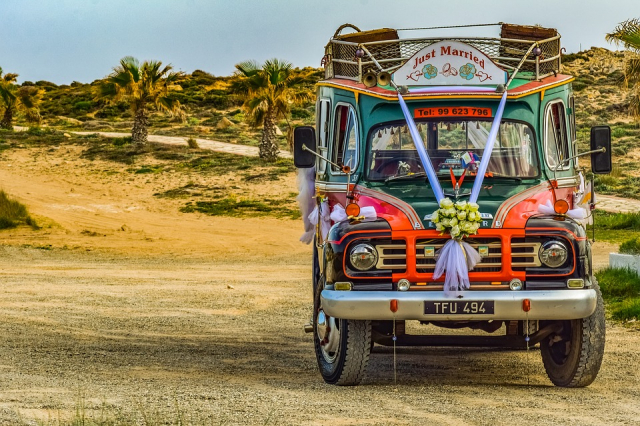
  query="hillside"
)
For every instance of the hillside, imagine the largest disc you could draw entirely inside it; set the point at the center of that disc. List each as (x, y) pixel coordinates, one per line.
(214, 111)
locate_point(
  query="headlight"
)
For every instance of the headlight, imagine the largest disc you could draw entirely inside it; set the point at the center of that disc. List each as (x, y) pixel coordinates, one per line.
(553, 254)
(363, 257)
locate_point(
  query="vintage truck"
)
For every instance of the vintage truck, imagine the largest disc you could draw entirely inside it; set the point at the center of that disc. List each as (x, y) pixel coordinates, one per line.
(398, 121)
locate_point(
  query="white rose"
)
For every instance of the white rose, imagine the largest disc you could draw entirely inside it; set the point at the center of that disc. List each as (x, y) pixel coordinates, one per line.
(445, 222)
(461, 205)
(435, 217)
(473, 207)
(462, 215)
(467, 227)
(472, 216)
(439, 227)
(446, 203)
(453, 222)
(451, 212)
(455, 231)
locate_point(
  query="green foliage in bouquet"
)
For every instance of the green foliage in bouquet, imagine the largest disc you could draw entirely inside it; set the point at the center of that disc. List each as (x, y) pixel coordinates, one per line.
(460, 219)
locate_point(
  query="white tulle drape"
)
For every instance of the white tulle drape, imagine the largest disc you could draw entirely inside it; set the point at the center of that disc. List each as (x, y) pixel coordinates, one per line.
(307, 201)
(457, 258)
(338, 214)
(578, 213)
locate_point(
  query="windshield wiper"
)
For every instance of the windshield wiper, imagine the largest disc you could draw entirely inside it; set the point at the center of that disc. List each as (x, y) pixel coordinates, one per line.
(411, 176)
(495, 175)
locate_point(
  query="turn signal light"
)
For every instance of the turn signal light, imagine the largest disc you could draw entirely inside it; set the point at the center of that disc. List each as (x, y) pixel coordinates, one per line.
(352, 210)
(393, 305)
(526, 305)
(561, 206)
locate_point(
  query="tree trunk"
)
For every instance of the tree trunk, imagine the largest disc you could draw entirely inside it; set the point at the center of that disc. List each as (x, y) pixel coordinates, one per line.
(139, 133)
(7, 119)
(268, 145)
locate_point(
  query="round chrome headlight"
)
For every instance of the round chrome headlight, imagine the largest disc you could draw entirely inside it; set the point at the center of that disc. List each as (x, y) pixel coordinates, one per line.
(553, 254)
(363, 257)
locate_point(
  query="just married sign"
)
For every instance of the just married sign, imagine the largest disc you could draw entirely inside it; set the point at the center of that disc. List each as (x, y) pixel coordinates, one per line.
(449, 63)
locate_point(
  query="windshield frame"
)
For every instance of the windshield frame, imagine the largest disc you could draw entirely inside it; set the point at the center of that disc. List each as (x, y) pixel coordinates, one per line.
(368, 145)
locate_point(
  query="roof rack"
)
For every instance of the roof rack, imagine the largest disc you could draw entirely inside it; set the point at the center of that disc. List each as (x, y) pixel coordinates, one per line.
(514, 48)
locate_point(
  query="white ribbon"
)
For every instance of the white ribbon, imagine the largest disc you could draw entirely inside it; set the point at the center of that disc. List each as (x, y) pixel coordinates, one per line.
(578, 213)
(422, 152)
(486, 154)
(457, 258)
(338, 214)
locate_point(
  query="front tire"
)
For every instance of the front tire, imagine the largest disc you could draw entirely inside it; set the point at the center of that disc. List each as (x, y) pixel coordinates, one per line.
(342, 346)
(572, 357)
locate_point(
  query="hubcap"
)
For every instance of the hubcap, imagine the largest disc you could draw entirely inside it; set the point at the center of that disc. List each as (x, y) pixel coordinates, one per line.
(328, 335)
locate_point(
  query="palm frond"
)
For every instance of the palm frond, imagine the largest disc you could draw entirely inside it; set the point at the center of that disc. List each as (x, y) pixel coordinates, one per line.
(29, 96)
(248, 68)
(626, 34)
(131, 65)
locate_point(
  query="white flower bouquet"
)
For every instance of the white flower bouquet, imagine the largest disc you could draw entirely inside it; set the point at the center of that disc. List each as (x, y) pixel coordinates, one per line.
(460, 219)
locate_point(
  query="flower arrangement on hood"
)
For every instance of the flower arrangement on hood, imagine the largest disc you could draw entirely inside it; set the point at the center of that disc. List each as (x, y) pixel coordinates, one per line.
(460, 219)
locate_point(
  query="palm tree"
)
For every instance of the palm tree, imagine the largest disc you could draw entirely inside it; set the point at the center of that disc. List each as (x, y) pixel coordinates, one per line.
(627, 34)
(14, 98)
(270, 90)
(143, 86)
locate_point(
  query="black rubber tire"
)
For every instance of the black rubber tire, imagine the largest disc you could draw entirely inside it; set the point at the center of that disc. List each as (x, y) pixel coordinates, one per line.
(578, 363)
(350, 364)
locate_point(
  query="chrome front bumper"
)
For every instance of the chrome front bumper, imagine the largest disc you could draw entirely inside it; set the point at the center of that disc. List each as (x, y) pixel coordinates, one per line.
(375, 305)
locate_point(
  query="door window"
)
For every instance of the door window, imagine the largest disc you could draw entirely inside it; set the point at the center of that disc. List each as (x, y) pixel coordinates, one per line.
(556, 145)
(323, 133)
(345, 140)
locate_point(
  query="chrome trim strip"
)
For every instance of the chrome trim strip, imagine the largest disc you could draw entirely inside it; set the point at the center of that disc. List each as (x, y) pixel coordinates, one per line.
(396, 202)
(545, 304)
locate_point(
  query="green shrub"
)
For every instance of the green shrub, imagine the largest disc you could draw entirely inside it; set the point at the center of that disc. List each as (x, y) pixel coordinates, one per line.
(83, 105)
(631, 246)
(613, 221)
(193, 144)
(618, 283)
(13, 213)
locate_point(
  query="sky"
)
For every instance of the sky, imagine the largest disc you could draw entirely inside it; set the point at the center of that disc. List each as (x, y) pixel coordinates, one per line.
(82, 40)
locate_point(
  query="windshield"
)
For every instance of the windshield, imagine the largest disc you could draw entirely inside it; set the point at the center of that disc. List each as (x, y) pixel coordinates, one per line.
(452, 145)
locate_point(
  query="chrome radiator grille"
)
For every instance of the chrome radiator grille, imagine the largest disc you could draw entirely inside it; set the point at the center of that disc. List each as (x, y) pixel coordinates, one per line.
(393, 255)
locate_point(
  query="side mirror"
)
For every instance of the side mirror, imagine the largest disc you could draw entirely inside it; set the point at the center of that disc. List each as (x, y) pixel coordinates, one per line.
(601, 138)
(304, 136)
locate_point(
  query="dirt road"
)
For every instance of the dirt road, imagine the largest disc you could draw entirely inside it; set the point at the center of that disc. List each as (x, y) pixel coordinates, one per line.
(121, 307)
(161, 336)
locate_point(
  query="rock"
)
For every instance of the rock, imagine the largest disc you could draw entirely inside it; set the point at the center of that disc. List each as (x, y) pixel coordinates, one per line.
(224, 123)
(67, 135)
(202, 129)
(279, 132)
(69, 120)
(230, 287)
(95, 124)
(123, 124)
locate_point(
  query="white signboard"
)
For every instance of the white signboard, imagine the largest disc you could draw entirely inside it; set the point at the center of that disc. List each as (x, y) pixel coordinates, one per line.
(449, 63)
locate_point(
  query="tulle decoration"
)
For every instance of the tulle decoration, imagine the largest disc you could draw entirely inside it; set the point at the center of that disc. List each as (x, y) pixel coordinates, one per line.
(325, 219)
(578, 213)
(456, 258)
(307, 201)
(338, 214)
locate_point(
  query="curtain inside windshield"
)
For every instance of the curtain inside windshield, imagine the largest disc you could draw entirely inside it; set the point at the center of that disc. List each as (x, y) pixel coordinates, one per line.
(453, 145)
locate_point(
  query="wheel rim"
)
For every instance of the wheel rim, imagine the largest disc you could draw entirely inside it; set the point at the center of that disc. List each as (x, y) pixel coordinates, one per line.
(560, 344)
(328, 334)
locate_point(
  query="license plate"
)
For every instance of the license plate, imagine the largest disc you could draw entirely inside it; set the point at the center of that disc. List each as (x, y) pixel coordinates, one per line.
(459, 307)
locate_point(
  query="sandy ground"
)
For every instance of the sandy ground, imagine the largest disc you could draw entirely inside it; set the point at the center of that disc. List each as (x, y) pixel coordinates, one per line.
(125, 307)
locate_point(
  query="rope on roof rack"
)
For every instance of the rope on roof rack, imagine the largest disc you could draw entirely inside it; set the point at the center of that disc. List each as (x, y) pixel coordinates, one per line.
(451, 26)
